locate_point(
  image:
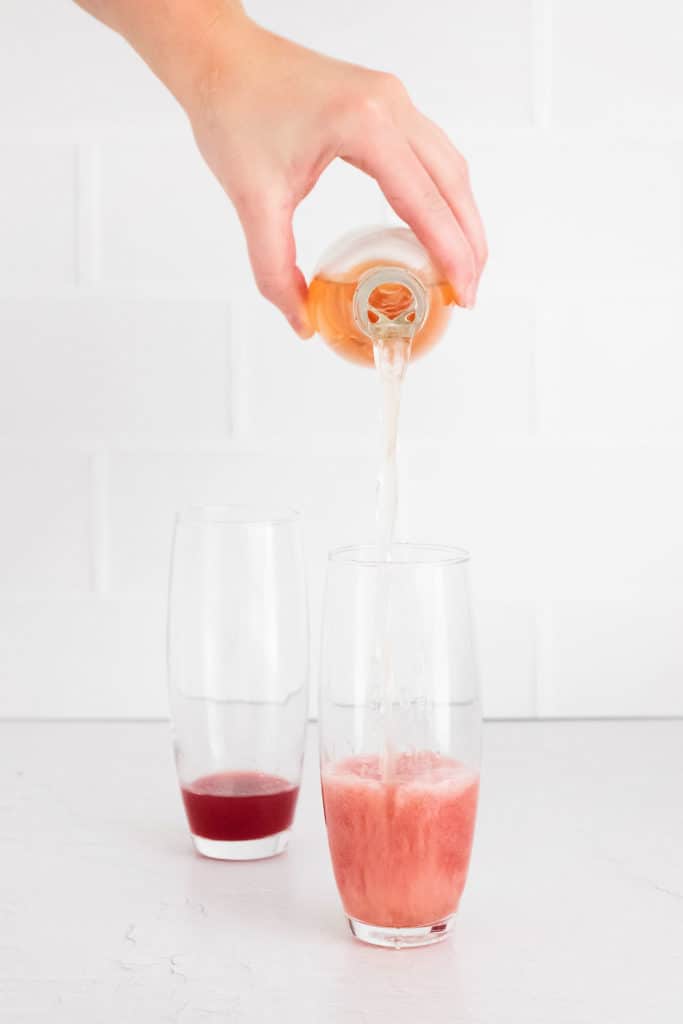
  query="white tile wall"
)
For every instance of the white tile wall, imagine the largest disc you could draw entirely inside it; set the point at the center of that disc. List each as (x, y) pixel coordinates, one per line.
(37, 215)
(62, 75)
(621, 359)
(164, 217)
(140, 370)
(610, 522)
(83, 656)
(474, 58)
(624, 653)
(479, 383)
(509, 202)
(103, 368)
(611, 212)
(45, 525)
(617, 67)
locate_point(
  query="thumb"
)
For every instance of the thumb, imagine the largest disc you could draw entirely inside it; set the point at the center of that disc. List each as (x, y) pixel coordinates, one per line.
(267, 225)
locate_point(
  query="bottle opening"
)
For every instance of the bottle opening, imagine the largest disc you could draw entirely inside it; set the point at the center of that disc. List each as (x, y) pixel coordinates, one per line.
(388, 301)
(391, 301)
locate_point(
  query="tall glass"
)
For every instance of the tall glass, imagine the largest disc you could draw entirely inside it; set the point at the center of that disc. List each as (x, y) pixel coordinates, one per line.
(238, 676)
(400, 738)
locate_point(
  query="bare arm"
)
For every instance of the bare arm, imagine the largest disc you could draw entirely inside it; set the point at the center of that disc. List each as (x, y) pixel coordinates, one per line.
(269, 116)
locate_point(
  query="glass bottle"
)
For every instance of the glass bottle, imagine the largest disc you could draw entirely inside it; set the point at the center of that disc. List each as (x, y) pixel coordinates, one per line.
(378, 281)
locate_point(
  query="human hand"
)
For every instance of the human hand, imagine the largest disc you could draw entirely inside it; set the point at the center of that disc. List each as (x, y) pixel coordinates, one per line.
(269, 116)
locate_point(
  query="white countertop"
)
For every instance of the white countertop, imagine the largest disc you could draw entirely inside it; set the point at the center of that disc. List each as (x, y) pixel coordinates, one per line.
(573, 912)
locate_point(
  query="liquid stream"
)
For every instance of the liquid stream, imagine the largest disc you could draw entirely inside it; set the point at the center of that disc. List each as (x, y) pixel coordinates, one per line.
(392, 354)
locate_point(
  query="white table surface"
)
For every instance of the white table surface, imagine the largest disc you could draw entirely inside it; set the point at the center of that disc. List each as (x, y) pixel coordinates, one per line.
(573, 912)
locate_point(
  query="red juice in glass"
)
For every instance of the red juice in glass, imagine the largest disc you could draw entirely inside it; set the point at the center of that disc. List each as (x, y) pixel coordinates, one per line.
(400, 846)
(239, 806)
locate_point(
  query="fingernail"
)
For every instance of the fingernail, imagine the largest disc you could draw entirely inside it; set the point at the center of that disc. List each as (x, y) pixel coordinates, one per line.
(471, 295)
(465, 296)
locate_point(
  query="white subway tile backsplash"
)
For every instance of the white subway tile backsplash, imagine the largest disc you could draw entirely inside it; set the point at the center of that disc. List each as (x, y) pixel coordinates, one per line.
(617, 68)
(610, 213)
(105, 368)
(62, 74)
(164, 217)
(334, 493)
(614, 657)
(37, 215)
(478, 383)
(82, 658)
(507, 180)
(296, 388)
(44, 521)
(474, 59)
(609, 522)
(140, 371)
(611, 368)
(482, 498)
(505, 633)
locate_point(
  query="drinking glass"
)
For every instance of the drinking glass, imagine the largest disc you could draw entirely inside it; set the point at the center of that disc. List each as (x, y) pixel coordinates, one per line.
(400, 738)
(238, 676)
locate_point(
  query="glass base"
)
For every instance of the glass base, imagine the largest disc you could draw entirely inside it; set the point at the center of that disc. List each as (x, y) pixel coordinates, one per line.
(245, 849)
(401, 938)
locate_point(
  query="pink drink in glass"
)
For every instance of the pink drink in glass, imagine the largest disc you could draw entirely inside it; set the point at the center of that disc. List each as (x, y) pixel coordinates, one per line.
(238, 806)
(400, 846)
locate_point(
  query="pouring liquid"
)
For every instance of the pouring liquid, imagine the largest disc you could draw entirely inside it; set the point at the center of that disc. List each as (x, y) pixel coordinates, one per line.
(390, 337)
(391, 350)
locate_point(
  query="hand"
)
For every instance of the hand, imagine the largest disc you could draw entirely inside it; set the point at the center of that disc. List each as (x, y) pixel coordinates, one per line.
(271, 115)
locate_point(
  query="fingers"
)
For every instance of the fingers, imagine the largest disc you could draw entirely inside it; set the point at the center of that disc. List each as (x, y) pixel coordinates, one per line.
(416, 198)
(267, 224)
(448, 169)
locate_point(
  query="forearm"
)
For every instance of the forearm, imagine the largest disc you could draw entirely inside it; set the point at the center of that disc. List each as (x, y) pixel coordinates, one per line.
(174, 37)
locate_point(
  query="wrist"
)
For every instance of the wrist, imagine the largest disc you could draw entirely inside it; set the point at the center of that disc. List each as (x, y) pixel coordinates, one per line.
(207, 40)
(182, 41)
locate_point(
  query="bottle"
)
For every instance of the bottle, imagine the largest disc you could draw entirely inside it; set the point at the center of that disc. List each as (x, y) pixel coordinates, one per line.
(378, 282)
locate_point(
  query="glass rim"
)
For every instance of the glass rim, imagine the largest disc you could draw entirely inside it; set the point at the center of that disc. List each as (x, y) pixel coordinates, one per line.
(427, 554)
(239, 514)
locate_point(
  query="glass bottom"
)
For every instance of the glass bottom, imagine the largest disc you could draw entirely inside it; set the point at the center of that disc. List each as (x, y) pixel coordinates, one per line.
(401, 938)
(244, 849)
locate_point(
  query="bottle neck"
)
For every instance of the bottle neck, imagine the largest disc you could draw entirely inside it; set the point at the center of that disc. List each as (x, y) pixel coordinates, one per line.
(374, 322)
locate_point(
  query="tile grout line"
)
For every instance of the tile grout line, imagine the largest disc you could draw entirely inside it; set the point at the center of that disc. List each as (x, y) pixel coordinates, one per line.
(88, 215)
(99, 529)
(542, 59)
(312, 720)
(237, 389)
(541, 104)
(543, 696)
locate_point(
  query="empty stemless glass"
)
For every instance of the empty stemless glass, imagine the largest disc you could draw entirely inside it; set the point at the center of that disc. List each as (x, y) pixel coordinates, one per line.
(400, 738)
(238, 676)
